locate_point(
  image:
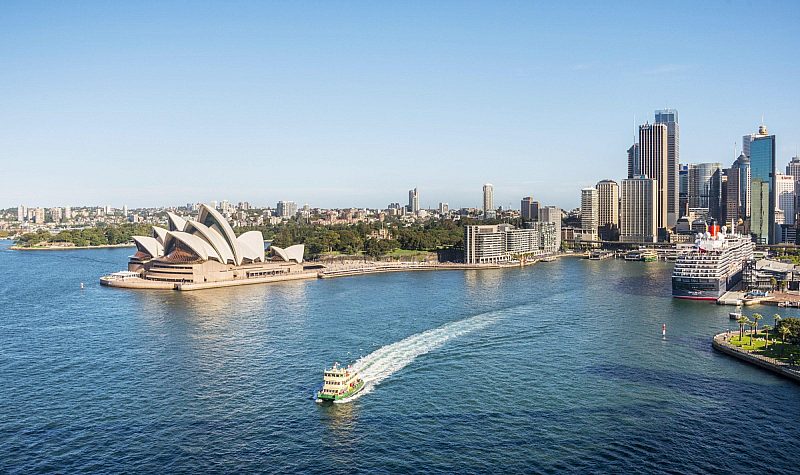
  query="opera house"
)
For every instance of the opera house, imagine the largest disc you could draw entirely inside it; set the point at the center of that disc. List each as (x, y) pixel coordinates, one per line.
(205, 251)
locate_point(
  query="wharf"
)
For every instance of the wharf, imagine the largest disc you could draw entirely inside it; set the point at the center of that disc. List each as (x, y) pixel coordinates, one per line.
(720, 343)
(377, 268)
(145, 284)
(781, 299)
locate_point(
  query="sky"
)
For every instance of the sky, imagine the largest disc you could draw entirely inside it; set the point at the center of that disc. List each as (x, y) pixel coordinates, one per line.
(340, 104)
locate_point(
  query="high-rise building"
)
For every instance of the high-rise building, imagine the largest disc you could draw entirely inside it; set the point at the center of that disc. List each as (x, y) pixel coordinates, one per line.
(669, 117)
(634, 166)
(38, 215)
(488, 201)
(762, 184)
(21, 213)
(67, 213)
(683, 189)
(56, 214)
(413, 201)
(552, 214)
(653, 156)
(705, 188)
(590, 208)
(793, 168)
(746, 141)
(785, 194)
(286, 209)
(487, 244)
(444, 208)
(638, 221)
(529, 209)
(737, 197)
(608, 202)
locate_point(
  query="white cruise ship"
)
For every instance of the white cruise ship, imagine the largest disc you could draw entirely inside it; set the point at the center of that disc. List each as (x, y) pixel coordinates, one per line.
(712, 267)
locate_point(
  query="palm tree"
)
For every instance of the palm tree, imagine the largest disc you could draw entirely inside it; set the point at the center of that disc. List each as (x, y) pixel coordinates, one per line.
(766, 329)
(784, 330)
(776, 320)
(754, 326)
(742, 321)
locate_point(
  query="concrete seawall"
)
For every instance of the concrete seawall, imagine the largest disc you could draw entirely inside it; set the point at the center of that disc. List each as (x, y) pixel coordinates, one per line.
(720, 343)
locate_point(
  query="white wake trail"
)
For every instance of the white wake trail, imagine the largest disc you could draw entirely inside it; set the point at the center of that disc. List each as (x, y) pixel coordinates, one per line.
(385, 361)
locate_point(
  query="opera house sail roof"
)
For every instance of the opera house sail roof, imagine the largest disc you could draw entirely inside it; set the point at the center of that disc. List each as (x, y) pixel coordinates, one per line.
(208, 238)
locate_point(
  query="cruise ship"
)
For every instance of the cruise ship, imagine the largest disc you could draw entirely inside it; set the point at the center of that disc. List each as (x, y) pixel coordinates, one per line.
(712, 267)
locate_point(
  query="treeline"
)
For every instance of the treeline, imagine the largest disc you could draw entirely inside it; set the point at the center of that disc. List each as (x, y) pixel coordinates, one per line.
(97, 236)
(362, 237)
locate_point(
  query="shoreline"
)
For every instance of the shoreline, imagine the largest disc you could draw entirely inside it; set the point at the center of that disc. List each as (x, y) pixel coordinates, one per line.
(344, 269)
(720, 343)
(69, 248)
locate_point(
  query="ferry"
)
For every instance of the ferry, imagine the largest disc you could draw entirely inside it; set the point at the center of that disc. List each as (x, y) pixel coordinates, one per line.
(649, 255)
(339, 383)
(713, 266)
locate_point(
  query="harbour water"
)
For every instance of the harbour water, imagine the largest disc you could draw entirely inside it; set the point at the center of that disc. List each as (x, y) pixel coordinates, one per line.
(557, 367)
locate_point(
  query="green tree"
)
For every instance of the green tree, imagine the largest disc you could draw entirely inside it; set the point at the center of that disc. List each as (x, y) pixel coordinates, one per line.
(756, 318)
(766, 329)
(742, 321)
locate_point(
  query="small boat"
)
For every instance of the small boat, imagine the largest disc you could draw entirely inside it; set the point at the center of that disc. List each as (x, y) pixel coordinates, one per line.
(649, 256)
(339, 383)
(735, 315)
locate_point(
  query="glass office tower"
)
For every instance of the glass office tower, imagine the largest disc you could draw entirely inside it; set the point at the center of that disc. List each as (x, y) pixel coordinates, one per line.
(762, 179)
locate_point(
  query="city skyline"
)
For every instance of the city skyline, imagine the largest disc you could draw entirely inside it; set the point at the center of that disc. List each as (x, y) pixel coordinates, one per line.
(369, 101)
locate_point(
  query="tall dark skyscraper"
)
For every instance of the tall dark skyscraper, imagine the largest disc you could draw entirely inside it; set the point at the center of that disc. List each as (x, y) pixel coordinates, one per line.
(653, 162)
(762, 185)
(669, 117)
(634, 166)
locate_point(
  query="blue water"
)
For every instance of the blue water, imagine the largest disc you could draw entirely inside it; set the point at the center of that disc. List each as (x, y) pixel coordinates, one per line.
(558, 367)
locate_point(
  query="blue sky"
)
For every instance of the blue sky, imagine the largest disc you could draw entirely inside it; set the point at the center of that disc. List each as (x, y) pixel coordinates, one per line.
(351, 104)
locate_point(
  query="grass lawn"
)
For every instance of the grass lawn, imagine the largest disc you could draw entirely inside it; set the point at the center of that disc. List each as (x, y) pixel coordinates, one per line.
(780, 351)
(407, 253)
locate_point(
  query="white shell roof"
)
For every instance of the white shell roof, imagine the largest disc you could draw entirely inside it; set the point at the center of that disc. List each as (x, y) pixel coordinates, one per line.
(160, 234)
(214, 220)
(291, 253)
(149, 245)
(212, 237)
(251, 244)
(176, 223)
(199, 246)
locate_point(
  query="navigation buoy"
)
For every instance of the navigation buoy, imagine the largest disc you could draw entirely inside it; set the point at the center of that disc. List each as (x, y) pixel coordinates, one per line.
(663, 329)
(81, 285)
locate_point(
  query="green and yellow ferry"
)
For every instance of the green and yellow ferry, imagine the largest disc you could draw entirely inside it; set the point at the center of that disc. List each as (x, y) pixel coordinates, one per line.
(339, 383)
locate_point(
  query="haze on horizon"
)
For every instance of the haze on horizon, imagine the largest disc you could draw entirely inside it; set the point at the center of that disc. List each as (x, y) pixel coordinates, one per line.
(352, 104)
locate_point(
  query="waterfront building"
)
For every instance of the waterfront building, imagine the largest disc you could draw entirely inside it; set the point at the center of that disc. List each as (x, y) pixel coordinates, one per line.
(590, 209)
(653, 157)
(608, 202)
(634, 165)
(286, 209)
(529, 209)
(207, 250)
(413, 201)
(638, 222)
(552, 214)
(499, 243)
(669, 117)
(762, 184)
(488, 201)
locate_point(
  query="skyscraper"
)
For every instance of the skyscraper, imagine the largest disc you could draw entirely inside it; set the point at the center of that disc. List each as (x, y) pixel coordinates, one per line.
(653, 157)
(785, 194)
(705, 188)
(21, 213)
(638, 221)
(683, 189)
(669, 117)
(793, 168)
(634, 166)
(413, 201)
(589, 214)
(529, 209)
(488, 201)
(738, 193)
(762, 184)
(608, 202)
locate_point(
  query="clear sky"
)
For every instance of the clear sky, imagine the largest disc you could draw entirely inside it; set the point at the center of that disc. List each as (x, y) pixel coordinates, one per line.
(351, 104)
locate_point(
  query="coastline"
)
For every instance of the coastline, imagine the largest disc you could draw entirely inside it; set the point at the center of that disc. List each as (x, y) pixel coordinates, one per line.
(720, 343)
(343, 269)
(69, 248)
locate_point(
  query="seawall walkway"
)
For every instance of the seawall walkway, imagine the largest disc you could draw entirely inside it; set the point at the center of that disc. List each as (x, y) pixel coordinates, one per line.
(720, 343)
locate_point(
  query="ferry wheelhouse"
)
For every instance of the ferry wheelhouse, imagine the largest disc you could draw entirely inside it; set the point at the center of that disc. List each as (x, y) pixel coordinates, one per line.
(339, 383)
(713, 266)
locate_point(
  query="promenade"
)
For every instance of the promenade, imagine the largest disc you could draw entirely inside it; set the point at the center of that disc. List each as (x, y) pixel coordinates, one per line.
(721, 343)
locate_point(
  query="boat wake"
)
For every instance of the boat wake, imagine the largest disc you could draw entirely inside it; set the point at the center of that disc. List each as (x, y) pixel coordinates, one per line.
(387, 360)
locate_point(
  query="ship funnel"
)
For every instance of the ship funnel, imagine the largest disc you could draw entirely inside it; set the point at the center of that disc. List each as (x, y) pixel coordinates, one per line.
(713, 228)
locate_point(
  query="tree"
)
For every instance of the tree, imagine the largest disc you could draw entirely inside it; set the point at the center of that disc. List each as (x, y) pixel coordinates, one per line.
(756, 318)
(766, 329)
(742, 321)
(752, 324)
(773, 283)
(776, 319)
